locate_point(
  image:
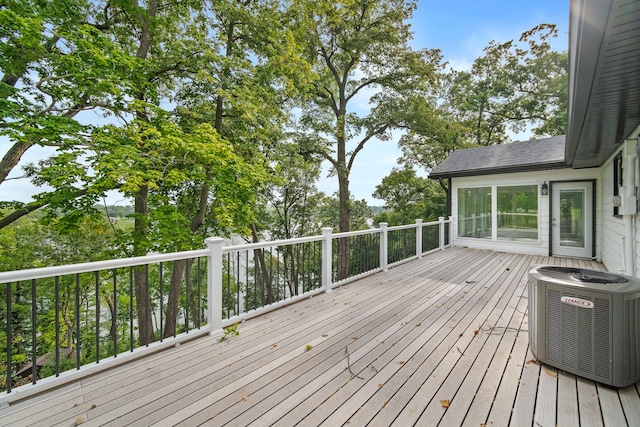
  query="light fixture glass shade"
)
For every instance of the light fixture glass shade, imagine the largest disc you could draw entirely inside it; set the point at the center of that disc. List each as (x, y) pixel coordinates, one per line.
(544, 190)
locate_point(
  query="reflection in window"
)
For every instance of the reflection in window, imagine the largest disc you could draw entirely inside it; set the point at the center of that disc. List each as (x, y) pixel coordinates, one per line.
(518, 213)
(572, 221)
(474, 212)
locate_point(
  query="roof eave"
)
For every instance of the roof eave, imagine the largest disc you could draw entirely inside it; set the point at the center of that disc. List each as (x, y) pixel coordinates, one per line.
(603, 83)
(498, 171)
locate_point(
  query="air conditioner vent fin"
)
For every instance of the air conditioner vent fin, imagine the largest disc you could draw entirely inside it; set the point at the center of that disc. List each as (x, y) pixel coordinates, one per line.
(533, 315)
(631, 338)
(569, 344)
(602, 338)
(585, 340)
(554, 327)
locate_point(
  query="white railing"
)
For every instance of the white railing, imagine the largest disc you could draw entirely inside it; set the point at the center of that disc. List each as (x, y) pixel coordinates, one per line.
(95, 310)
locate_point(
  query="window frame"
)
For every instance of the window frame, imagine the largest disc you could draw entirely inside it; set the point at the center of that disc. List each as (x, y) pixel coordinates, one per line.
(494, 214)
(618, 176)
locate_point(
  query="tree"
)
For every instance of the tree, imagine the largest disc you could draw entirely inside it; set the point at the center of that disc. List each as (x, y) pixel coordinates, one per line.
(354, 48)
(409, 197)
(31, 243)
(57, 60)
(291, 198)
(329, 213)
(194, 93)
(241, 91)
(513, 86)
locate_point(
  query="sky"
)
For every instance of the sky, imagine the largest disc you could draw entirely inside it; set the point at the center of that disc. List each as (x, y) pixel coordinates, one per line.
(459, 28)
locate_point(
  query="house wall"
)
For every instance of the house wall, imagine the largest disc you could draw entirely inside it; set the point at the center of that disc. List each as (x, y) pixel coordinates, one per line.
(541, 247)
(617, 229)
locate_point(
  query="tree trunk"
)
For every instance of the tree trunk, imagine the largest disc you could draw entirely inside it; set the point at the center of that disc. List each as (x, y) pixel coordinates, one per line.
(179, 269)
(140, 244)
(259, 255)
(190, 300)
(345, 212)
(112, 310)
(12, 157)
(290, 270)
(143, 299)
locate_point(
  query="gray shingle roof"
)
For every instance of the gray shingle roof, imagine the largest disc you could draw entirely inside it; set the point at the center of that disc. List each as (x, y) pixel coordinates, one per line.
(539, 154)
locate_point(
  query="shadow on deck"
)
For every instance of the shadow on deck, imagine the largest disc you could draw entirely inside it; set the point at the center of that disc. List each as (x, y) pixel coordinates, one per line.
(437, 341)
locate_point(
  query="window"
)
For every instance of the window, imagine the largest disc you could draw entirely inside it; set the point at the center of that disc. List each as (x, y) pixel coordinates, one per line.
(515, 217)
(617, 182)
(518, 213)
(474, 212)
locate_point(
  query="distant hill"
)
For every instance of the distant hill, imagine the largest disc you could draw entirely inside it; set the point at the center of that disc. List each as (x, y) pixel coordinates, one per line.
(115, 211)
(377, 209)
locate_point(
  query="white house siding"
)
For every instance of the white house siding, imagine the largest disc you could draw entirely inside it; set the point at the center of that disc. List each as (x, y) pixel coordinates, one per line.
(614, 229)
(636, 247)
(524, 178)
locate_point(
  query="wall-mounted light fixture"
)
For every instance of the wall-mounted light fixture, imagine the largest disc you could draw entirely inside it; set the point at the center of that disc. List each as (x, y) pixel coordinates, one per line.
(544, 190)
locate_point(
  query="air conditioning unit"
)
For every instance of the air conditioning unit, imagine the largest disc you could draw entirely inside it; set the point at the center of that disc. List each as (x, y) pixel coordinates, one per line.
(586, 322)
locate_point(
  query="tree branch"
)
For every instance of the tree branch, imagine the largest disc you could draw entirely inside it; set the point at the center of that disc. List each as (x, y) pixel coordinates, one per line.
(360, 146)
(30, 207)
(362, 86)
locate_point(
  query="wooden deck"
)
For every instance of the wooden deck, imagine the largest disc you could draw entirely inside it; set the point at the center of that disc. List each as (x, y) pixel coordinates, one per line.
(437, 341)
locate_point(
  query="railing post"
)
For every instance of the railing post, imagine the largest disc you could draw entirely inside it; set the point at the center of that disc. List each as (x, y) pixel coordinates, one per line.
(214, 284)
(442, 228)
(419, 238)
(384, 250)
(450, 231)
(326, 258)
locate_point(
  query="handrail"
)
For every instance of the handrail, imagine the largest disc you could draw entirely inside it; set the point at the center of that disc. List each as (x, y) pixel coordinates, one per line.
(238, 281)
(271, 243)
(89, 267)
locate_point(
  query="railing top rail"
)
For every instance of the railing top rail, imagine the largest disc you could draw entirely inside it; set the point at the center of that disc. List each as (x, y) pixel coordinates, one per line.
(87, 267)
(356, 233)
(423, 224)
(39, 273)
(270, 243)
(403, 227)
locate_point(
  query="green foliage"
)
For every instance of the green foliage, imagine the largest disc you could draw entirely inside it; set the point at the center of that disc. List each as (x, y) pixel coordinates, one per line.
(230, 332)
(353, 47)
(513, 86)
(38, 242)
(262, 288)
(328, 215)
(291, 195)
(409, 197)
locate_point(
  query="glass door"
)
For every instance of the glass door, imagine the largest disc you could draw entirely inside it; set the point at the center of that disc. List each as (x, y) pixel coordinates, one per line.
(572, 219)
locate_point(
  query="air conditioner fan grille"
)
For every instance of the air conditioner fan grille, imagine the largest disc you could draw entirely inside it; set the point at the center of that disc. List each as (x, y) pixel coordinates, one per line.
(582, 275)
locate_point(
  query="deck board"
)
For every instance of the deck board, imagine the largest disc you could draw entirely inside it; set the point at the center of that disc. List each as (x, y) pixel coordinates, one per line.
(568, 414)
(545, 409)
(440, 340)
(471, 363)
(487, 393)
(590, 414)
(630, 403)
(612, 413)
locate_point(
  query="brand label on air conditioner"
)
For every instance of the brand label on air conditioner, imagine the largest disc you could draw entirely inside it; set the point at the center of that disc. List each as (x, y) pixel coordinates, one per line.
(578, 302)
